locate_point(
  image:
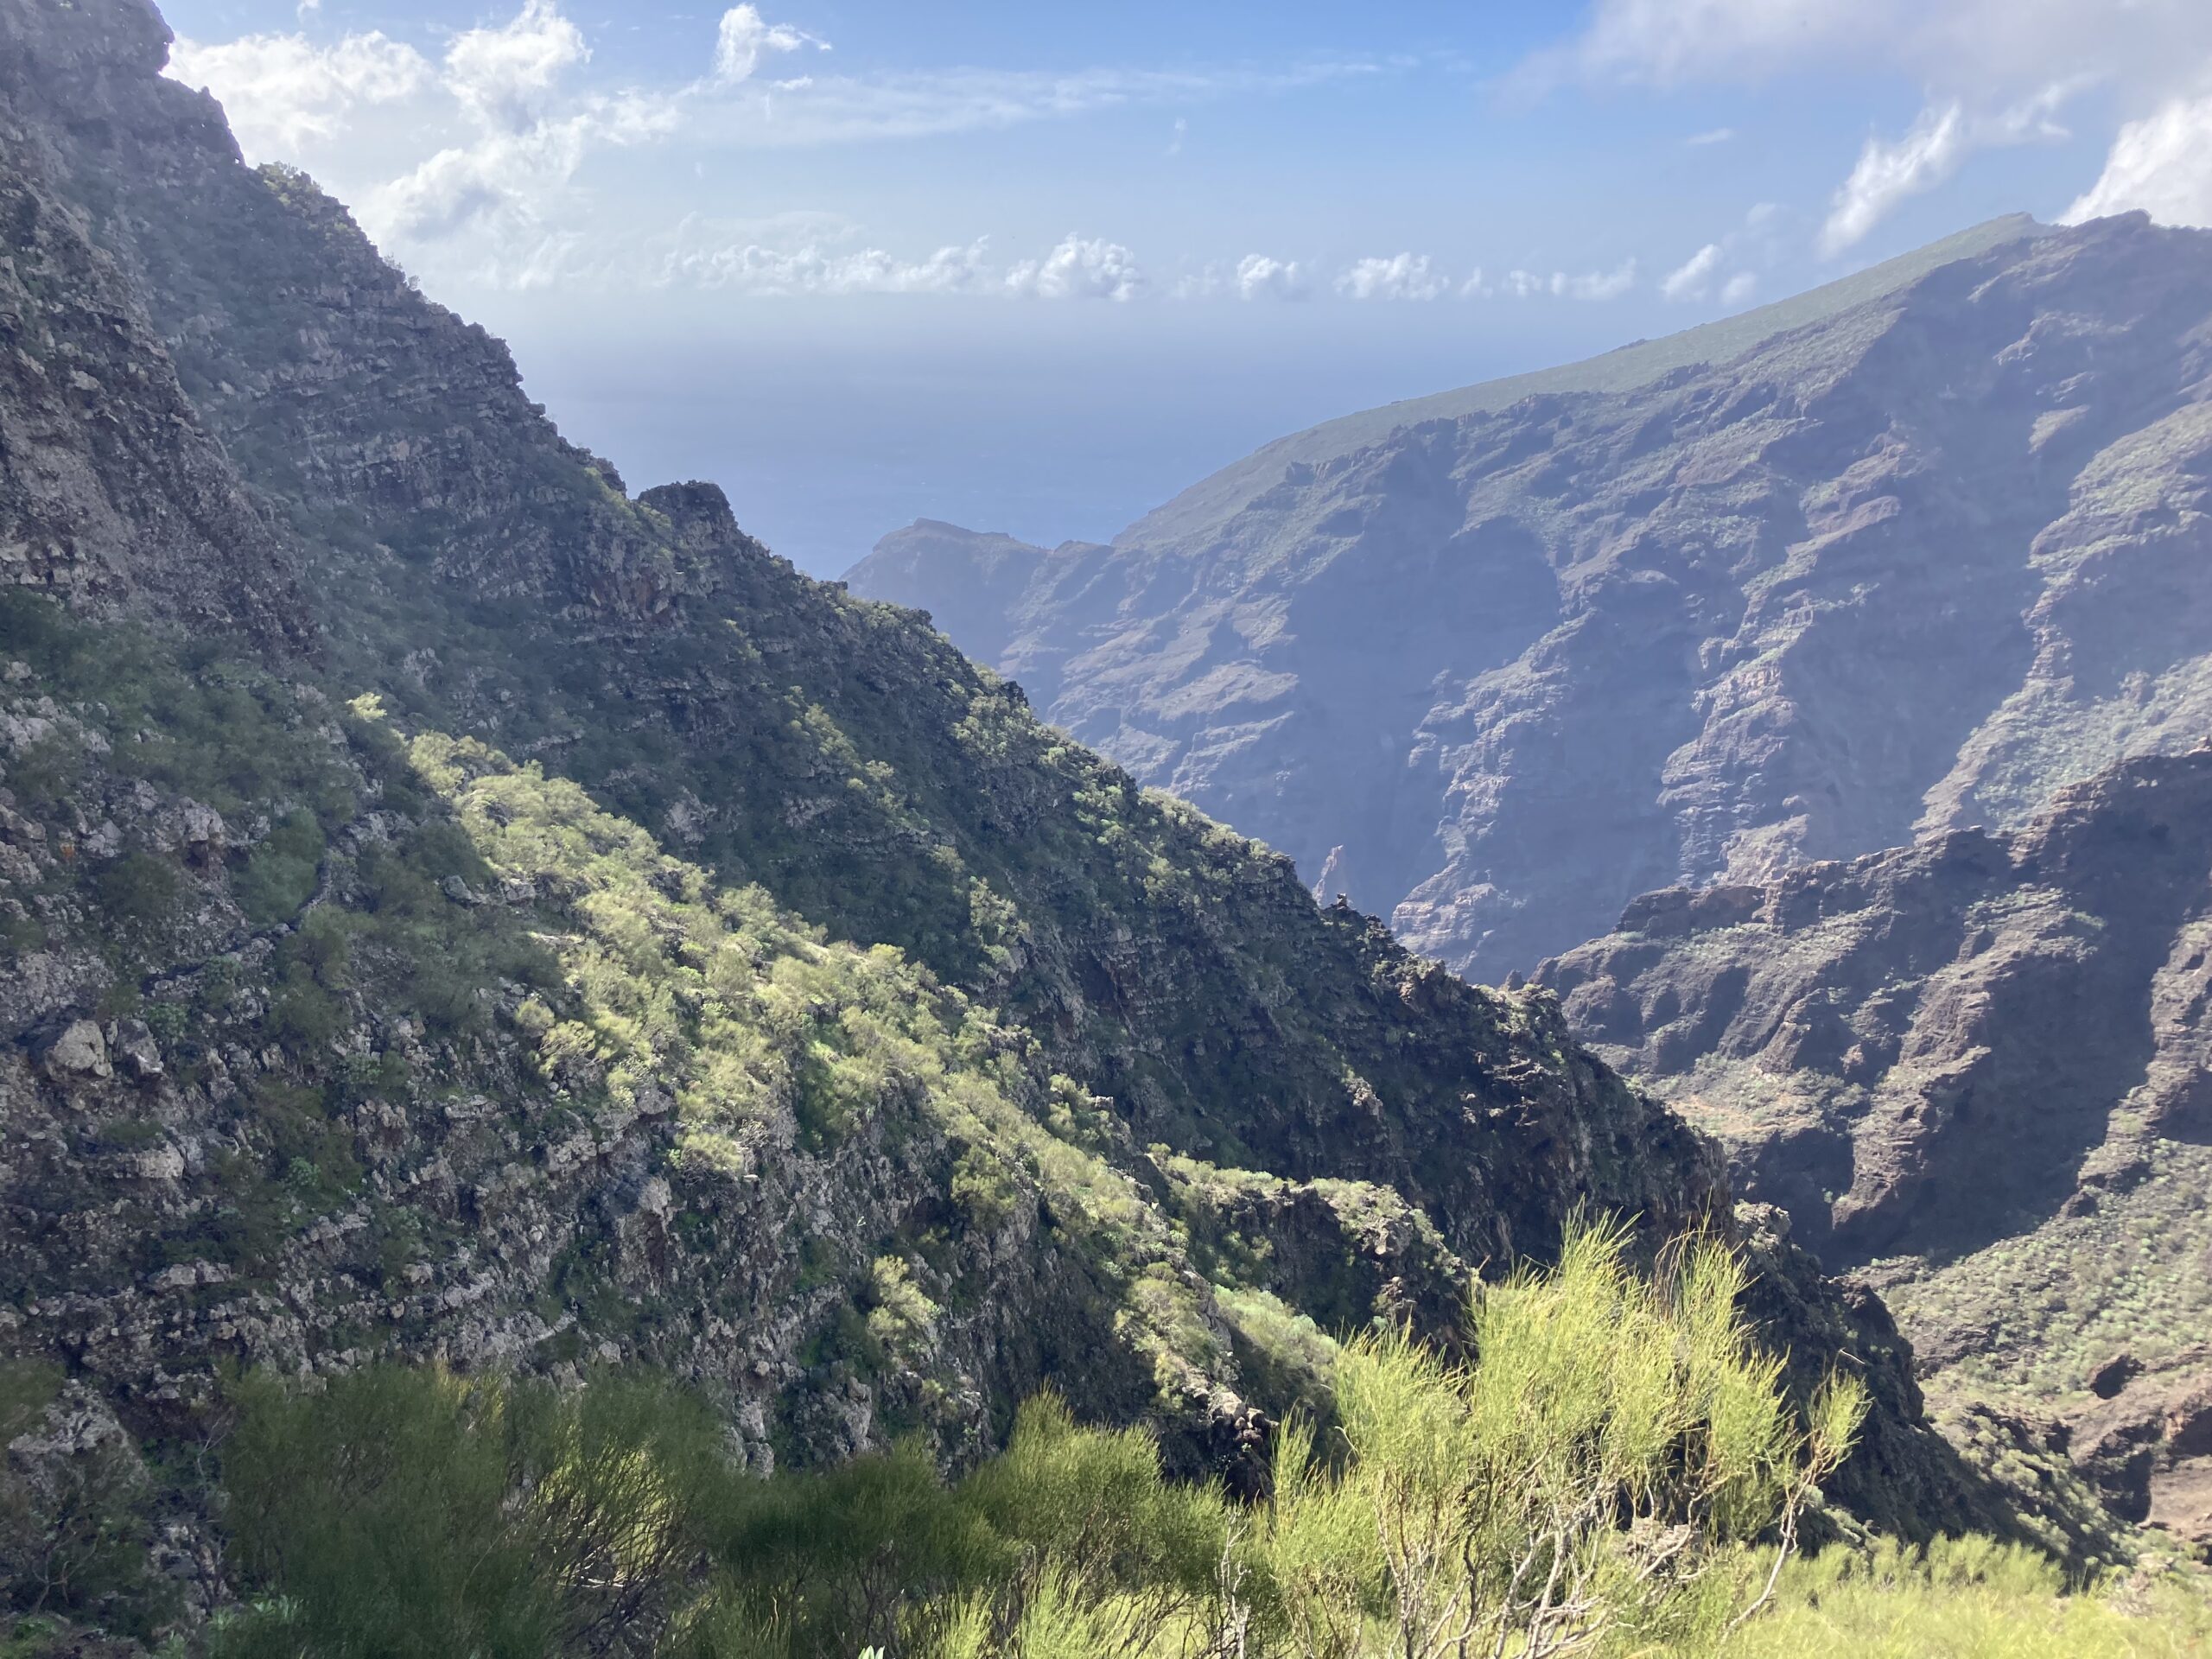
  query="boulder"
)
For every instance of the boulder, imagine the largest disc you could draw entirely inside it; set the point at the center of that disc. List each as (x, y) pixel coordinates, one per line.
(80, 1052)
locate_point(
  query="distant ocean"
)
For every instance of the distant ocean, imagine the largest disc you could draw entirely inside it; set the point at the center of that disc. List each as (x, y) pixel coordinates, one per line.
(1050, 423)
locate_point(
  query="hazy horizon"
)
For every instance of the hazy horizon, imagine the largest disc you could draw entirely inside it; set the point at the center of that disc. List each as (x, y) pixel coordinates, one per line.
(1058, 438)
(1037, 271)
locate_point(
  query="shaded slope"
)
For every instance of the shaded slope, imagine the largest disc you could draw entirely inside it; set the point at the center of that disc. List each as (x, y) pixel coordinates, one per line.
(1938, 1036)
(111, 491)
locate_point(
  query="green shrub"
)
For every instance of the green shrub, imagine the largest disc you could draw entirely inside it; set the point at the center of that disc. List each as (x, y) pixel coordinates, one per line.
(410, 1511)
(377, 1512)
(222, 732)
(308, 1149)
(137, 888)
(1969, 1599)
(46, 776)
(1590, 1476)
(302, 1015)
(280, 874)
(22, 933)
(72, 1512)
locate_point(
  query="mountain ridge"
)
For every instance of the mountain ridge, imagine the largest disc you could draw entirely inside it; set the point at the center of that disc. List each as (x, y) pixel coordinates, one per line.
(1208, 503)
(1501, 672)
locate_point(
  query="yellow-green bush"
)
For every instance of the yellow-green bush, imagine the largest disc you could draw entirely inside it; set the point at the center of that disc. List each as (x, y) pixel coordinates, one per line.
(1968, 1598)
(1585, 1481)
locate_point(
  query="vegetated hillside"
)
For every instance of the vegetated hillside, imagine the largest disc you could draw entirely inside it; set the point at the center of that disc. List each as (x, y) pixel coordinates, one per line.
(1907, 553)
(1981, 1065)
(456, 909)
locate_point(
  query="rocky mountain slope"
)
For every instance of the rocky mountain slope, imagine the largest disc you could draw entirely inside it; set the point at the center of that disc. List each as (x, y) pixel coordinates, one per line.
(457, 909)
(1907, 553)
(1980, 1066)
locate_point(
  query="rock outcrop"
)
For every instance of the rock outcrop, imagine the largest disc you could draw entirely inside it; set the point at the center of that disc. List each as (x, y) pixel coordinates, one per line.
(1979, 1068)
(1921, 1049)
(111, 490)
(2145, 1443)
(1908, 553)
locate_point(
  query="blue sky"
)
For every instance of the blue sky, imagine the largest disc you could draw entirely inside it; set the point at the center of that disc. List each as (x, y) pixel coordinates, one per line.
(1035, 268)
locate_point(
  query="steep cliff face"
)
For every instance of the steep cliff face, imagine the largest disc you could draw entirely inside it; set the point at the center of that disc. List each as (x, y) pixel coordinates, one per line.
(110, 491)
(553, 930)
(1982, 1068)
(1982, 1007)
(1907, 554)
(997, 593)
(2144, 1437)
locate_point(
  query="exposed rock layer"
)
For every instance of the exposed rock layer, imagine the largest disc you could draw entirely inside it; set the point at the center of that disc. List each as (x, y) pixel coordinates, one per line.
(1980, 1066)
(110, 489)
(1940, 1036)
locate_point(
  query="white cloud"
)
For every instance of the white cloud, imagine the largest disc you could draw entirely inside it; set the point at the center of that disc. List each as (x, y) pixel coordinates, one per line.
(788, 254)
(1603, 285)
(1207, 283)
(508, 182)
(466, 185)
(1942, 136)
(1261, 278)
(282, 91)
(1719, 266)
(1400, 277)
(520, 139)
(503, 76)
(2161, 164)
(1992, 61)
(2035, 116)
(531, 139)
(1888, 173)
(1079, 267)
(1983, 51)
(1178, 134)
(843, 109)
(477, 165)
(1717, 135)
(755, 269)
(512, 74)
(799, 254)
(553, 258)
(745, 38)
(1694, 279)
(1559, 284)
(1664, 42)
